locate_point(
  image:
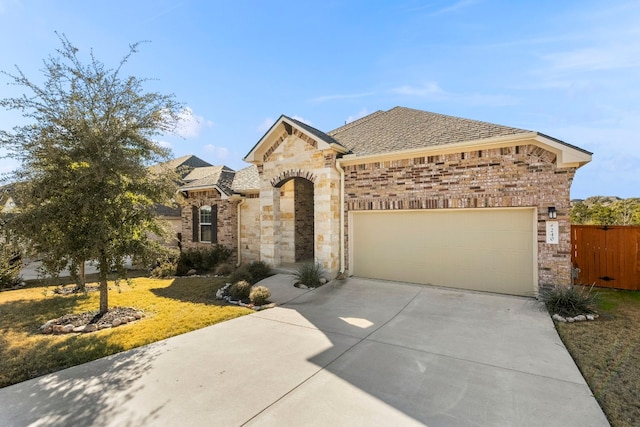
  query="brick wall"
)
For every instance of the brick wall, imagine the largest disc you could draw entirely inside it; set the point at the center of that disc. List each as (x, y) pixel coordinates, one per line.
(304, 217)
(518, 176)
(226, 225)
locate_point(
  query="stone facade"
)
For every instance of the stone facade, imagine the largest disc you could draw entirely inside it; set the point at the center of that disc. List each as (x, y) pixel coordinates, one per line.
(293, 165)
(250, 229)
(517, 176)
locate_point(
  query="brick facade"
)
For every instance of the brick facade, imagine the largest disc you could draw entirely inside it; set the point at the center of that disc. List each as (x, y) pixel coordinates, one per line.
(518, 176)
(226, 226)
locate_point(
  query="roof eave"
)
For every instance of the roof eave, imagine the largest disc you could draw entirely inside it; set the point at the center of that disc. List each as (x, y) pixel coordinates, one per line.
(567, 155)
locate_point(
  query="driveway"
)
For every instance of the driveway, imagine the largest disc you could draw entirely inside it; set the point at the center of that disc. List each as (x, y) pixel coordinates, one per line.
(356, 352)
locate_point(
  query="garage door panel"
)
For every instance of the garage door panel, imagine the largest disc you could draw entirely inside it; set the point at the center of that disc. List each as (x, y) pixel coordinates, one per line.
(489, 249)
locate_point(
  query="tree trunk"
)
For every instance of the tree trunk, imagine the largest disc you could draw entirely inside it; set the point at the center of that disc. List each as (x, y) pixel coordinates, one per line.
(103, 267)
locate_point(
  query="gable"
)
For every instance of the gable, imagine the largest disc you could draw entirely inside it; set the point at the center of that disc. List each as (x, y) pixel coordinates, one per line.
(281, 130)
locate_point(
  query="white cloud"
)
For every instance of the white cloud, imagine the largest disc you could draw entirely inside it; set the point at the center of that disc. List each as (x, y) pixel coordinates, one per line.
(339, 97)
(359, 115)
(428, 89)
(595, 59)
(265, 125)
(165, 144)
(453, 8)
(190, 125)
(303, 120)
(217, 152)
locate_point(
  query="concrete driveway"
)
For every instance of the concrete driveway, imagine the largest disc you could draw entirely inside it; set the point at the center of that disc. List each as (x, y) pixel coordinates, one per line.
(357, 352)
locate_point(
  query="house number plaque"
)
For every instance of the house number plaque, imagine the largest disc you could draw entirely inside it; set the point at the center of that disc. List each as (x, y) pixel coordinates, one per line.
(553, 230)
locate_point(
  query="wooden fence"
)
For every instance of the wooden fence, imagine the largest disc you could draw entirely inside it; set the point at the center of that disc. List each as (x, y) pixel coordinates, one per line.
(607, 256)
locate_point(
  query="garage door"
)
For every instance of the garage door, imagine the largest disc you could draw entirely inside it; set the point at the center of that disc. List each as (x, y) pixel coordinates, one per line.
(481, 249)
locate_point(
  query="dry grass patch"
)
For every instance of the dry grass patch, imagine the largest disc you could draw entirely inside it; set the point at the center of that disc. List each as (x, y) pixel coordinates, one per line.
(607, 352)
(171, 306)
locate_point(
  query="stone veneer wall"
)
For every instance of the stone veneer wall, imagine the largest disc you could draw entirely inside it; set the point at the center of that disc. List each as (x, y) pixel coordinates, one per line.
(519, 176)
(250, 229)
(227, 220)
(297, 155)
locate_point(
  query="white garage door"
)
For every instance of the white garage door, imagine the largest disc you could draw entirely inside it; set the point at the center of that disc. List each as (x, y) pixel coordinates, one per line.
(482, 249)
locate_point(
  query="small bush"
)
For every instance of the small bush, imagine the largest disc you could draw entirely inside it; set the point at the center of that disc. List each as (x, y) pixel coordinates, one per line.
(202, 259)
(241, 273)
(10, 266)
(259, 270)
(224, 269)
(240, 290)
(309, 275)
(569, 300)
(259, 295)
(165, 263)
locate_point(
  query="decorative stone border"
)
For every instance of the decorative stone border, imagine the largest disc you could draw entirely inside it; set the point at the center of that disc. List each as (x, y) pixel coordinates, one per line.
(579, 318)
(52, 327)
(221, 296)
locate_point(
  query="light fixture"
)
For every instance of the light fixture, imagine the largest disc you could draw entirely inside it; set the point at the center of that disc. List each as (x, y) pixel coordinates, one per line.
(552, 212)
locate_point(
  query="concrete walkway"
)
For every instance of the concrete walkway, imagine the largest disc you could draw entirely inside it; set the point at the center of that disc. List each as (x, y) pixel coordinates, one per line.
(356, 352)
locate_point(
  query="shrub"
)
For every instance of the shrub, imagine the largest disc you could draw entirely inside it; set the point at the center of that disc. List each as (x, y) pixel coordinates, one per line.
(240, 290)
(259, 295)
(202, 259)
(569, 300)
(224, 269)
(165, 264)
(309, 275)
(241, 273)
(259, 270)
(10, 266)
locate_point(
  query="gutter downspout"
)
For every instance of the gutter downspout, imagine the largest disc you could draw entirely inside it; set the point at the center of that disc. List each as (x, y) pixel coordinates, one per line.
(239, 216)
(339, 168)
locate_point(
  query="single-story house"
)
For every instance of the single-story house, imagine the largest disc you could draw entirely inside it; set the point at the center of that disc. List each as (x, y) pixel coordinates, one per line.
(403, 195)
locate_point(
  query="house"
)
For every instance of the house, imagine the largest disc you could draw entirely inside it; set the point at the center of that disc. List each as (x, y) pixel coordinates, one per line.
(171, 215)
(403, 195)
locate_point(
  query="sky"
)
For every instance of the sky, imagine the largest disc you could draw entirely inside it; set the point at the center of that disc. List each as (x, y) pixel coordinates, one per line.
(568, 69)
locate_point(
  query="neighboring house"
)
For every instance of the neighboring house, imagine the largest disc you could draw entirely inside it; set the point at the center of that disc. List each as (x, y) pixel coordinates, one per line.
(172, 215)
(403, 195)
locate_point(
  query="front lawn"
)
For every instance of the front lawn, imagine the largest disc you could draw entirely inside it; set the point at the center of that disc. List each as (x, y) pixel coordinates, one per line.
(607, 351)
(171, 307)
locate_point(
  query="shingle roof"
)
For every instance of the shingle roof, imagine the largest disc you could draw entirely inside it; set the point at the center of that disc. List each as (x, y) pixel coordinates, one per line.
(182, 165)
(404, 128)
(246, 180)
(220, 176)
(203, 172)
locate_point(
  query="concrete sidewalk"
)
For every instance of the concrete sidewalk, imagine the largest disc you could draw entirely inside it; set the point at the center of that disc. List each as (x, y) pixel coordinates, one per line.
(356, 352)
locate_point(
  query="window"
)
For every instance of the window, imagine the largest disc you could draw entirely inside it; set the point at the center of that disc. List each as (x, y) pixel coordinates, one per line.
(205, 224)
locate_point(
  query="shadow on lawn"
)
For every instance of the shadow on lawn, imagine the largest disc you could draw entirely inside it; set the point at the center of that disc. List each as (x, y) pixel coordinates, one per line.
(199, 290)
(26, 315)
(88, 394)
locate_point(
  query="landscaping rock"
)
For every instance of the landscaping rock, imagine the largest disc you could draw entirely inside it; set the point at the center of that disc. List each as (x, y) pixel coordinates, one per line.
(67, 329)
(558, 318)
(92, 327)
(192, 272)
(580, 318)
(591, 317)
(116, 323)
(79, 328)
(323, 280)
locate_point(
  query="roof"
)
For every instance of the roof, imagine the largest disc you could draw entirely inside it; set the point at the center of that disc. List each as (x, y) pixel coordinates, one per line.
(182, 165)
(203, 172)
(220, 177)
(403, 128)
(246, 180)
(285, 123)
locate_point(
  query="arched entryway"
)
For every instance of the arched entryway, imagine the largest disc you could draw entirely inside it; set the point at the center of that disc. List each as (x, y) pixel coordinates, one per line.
(297, 216)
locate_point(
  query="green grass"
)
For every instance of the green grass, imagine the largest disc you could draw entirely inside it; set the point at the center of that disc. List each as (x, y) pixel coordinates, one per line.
(171, 306)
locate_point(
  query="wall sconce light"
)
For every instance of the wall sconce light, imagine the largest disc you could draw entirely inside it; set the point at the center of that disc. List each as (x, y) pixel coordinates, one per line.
(552, 212)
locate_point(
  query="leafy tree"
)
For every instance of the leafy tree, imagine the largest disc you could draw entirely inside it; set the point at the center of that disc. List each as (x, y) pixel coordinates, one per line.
(600, 210)
(85, 187)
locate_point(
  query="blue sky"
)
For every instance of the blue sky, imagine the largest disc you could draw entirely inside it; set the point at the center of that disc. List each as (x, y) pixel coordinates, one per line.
(569, 69)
